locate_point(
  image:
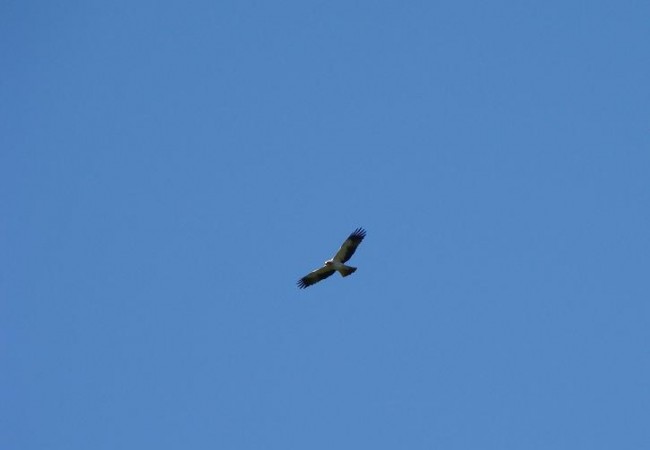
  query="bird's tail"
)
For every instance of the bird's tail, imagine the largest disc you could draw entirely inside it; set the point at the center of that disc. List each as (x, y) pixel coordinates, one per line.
(347, 270)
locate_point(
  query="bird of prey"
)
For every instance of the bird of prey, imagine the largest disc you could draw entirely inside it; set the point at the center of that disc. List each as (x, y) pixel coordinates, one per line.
(337, 262)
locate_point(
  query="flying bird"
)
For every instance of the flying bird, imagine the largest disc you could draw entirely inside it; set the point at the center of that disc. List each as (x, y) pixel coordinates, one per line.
(337, 262)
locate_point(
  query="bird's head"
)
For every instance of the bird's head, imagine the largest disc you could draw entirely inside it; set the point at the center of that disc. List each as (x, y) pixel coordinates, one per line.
(329, 262)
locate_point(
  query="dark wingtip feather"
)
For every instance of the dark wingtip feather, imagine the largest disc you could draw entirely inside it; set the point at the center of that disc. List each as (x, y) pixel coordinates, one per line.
(358, 234)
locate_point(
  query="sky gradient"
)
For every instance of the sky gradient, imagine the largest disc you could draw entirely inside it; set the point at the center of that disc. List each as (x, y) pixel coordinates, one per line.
(169, 170)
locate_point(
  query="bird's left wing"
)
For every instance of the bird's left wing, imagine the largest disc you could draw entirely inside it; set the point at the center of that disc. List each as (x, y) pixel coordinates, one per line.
(350, 245)
(315, 276)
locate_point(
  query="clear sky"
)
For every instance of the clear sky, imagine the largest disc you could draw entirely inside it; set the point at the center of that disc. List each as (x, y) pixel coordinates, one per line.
(168, 170)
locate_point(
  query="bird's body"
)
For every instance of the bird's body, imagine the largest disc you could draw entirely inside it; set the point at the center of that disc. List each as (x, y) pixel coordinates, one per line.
(340, 267)
(336, 264)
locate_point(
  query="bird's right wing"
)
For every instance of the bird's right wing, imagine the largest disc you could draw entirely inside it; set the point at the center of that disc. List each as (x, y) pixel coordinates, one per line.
(315, 276)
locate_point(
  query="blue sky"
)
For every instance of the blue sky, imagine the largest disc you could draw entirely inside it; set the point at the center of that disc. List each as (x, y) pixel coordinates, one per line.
(168, 170)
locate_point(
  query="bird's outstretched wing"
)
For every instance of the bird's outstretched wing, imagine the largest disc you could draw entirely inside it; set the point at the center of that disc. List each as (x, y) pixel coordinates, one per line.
(350, 245)
(315, 276)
